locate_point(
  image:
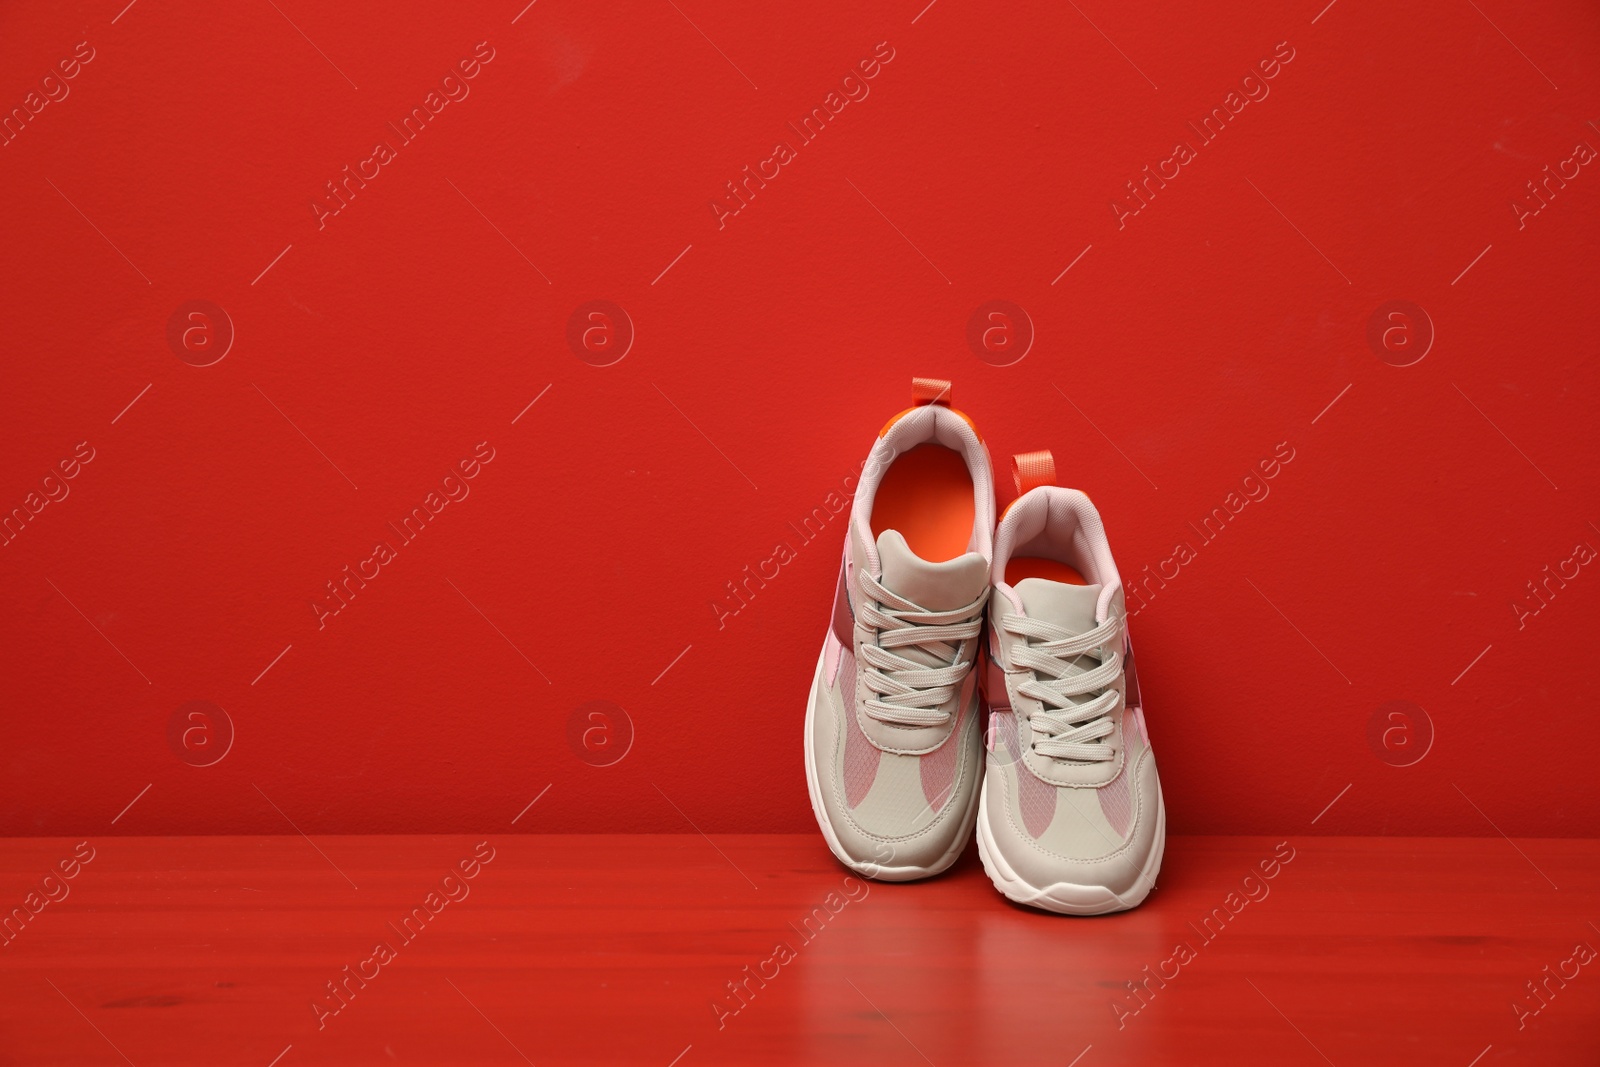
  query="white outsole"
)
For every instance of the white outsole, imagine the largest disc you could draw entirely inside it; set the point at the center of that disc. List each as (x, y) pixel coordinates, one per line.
(875, 871)
(1067, 898)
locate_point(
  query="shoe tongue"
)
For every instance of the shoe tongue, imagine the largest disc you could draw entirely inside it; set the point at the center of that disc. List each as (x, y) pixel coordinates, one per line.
(935, 586)
(1071, 607)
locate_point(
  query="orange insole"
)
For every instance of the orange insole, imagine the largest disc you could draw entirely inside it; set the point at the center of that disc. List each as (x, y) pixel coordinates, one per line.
(1020, 567)
(927, 495)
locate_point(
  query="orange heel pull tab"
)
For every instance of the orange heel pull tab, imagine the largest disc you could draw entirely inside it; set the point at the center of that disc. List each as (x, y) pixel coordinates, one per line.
(1030, 470)
(930, 391)
(926, 391)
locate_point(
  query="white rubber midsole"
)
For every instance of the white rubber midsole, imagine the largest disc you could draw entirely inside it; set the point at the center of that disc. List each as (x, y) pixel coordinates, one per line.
(1068, 898)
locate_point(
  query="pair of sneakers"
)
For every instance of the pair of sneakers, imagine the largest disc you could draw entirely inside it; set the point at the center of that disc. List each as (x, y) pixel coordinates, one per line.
(1067, 805)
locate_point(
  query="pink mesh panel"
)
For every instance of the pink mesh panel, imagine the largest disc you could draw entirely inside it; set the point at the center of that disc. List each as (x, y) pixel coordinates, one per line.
(830, 658)
(1144, 731)
(1116, 803)
(1003, 727)
(939, 766)
(1036, 799)
(860, 755)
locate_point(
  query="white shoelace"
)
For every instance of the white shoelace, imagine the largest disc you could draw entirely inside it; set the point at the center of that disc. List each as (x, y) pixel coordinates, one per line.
(913, 656)
(1073, 731)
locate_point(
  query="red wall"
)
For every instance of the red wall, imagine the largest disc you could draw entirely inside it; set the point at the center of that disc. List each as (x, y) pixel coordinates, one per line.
(377, 347)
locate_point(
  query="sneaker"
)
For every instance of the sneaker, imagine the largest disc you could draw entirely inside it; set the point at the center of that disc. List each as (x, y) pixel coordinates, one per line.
(1071, 818)
(893, 750)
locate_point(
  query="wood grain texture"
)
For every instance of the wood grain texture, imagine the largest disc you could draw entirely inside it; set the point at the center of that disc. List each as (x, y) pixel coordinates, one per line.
(616, 949)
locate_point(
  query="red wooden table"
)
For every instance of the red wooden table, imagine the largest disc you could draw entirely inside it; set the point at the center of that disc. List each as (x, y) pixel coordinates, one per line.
(511, 949)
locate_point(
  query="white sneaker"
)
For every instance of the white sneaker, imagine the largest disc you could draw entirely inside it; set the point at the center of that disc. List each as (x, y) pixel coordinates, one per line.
(893, 750)
(1071, 818)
